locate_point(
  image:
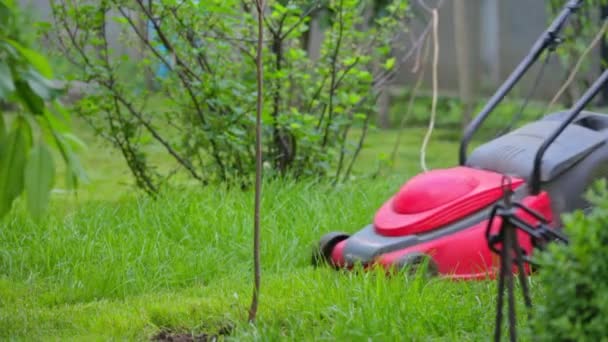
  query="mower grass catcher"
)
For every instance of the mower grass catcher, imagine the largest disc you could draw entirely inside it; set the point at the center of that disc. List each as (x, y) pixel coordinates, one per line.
(445, 218)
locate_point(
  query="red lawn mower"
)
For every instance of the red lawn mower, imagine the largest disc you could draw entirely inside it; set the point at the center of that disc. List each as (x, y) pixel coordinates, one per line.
(452, 219)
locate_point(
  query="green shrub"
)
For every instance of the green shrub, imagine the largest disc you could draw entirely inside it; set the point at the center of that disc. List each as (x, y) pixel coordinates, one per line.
(196, 60)
(574, 306)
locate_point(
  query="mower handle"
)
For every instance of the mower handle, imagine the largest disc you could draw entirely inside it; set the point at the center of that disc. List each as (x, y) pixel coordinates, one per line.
(595, 88)
(547, 40)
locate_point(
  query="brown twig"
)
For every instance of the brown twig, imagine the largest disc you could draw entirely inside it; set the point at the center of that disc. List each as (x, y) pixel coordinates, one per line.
(258, 164)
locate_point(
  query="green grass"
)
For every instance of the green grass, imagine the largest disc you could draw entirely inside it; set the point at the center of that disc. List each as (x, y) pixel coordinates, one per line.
(117, 265)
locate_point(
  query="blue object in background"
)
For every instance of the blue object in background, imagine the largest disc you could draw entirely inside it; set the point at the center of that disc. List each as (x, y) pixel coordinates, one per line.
(162, 70)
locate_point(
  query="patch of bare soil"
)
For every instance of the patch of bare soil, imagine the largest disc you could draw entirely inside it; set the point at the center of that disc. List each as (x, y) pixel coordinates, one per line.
(167, 336)
(171, 336)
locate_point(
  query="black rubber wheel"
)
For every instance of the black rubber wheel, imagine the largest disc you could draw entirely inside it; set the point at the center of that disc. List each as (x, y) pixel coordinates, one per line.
(414, 261)
(322, 252)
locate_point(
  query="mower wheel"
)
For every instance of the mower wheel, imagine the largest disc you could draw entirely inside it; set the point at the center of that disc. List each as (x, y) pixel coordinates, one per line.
(412, 263)
(322, 252)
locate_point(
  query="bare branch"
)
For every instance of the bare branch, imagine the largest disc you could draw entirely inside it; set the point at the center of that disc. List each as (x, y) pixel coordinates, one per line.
(154, 132)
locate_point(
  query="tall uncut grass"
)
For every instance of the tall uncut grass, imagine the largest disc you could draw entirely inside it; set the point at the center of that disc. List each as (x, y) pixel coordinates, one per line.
(129, 267)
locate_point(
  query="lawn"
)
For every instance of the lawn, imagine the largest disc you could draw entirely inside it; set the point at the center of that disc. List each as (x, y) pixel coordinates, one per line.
(114, 265)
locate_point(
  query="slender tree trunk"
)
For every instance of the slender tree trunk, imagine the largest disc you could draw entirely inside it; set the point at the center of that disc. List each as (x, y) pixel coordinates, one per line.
(253, 310)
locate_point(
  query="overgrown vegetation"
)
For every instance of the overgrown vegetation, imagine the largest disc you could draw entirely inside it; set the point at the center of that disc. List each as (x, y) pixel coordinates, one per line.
(206, 116)
(133, 268)
(119, 266)
(574, 297)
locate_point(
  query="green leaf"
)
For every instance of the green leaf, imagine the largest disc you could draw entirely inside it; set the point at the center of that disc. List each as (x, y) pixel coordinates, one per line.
(76, 143)
(43, 87)
(354, 98)
(390, 63)
(24, 124)
(36, 60)
(12, 164)
(280, 8)
(43, 26)
(6, 81)
(364, 76)
(60, 115)
(121, 20)
(55, 123)
(39, 179)
(33, 102)
(360, 116)
(74, 170)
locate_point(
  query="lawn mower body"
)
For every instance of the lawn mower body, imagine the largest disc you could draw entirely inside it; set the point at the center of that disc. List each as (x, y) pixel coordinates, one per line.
(445, 218)
(441, 216)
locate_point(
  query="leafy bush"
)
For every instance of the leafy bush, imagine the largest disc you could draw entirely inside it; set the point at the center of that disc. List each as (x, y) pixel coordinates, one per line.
(574, 306)
(190, 84)
(38, 120)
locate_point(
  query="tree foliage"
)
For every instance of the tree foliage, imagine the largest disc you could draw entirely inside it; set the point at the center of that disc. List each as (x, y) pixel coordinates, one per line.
(27, 133)
(190, 86)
